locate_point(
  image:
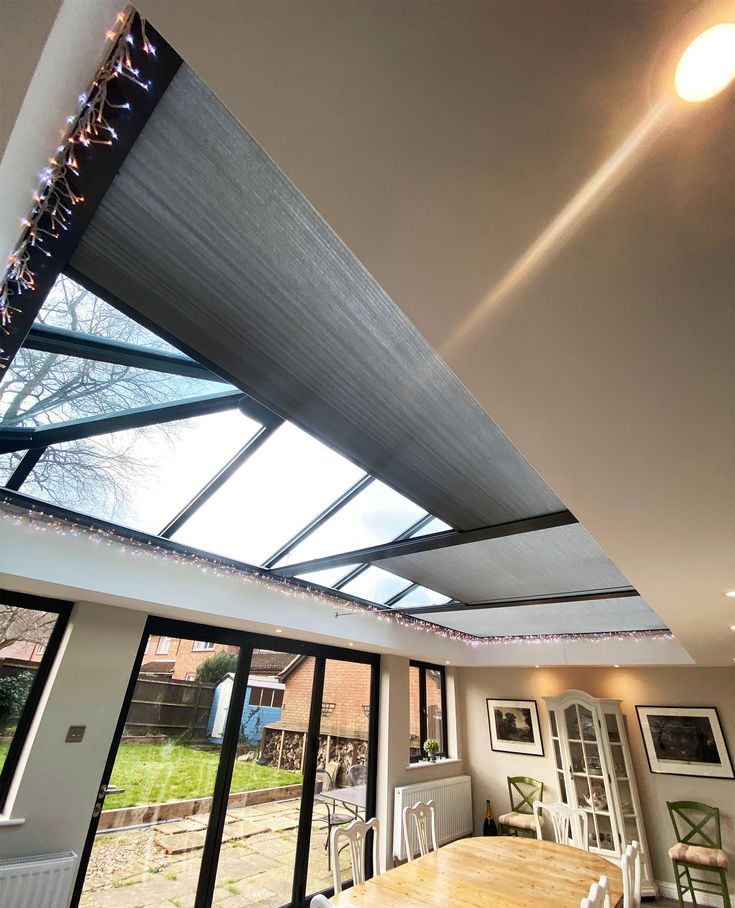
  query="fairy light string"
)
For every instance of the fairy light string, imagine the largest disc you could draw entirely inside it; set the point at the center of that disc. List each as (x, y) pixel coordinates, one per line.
(40, 521)
(56, 197)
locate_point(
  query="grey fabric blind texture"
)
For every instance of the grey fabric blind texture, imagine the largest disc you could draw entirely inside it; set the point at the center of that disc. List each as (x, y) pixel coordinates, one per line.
(203, 234)
(575, 618)
(544, 563)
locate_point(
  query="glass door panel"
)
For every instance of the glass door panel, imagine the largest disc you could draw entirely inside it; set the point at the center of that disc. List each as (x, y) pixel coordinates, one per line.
(154, 813)
(342, 764)
(258, 846)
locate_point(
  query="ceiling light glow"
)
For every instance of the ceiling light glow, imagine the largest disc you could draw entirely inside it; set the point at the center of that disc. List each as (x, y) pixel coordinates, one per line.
(708, 64)
(730, 594)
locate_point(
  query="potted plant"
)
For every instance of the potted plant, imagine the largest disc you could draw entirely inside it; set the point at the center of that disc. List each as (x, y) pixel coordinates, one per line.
(431, 748)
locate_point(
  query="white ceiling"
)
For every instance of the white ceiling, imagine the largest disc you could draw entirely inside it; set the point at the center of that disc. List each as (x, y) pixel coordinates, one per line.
(439, 140)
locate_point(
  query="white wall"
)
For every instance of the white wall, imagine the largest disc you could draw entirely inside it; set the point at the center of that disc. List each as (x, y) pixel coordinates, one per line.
(56, 783)
(394, 768)
(687, 686)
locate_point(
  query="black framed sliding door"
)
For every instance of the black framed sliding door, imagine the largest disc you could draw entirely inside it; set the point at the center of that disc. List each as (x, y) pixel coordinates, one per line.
(210, 795)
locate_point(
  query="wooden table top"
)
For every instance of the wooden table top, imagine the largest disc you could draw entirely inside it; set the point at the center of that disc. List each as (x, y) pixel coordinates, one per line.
(492, 872)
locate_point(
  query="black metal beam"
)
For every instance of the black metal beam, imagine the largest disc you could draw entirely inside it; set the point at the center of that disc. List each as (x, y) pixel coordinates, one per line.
(262, 435)
(98, 165)
(406, 534)
(401, 594)
(64, 342)
(319, 520)
(136, 418)
(454, 606)
(430, 543)
(24, 468)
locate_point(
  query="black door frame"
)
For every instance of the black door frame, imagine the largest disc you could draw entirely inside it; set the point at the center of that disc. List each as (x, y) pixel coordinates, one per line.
(247, 642)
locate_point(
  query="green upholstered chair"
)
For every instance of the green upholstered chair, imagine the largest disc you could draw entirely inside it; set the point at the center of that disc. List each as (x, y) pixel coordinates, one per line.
(698, 851)
(522, 791)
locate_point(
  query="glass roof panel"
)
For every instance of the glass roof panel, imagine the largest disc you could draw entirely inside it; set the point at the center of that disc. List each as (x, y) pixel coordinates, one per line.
(275, 493)
(72, 307)
(46, 388)
(328, 577)
(8, 463)
(433, 526)
(140, 477)
(377, 514)
(376, 585)
(422, 596)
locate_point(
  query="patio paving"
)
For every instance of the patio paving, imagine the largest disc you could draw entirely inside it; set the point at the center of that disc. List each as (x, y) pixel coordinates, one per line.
(158, 867)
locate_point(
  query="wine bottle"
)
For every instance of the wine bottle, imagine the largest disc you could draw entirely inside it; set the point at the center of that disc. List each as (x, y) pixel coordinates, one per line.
(489, 827)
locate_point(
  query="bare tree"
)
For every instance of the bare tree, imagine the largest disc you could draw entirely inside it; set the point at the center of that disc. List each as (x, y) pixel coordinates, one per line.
(41, 389)
(24, 625)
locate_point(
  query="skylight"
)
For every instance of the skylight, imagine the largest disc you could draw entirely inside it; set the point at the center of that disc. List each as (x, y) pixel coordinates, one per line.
(99, 415)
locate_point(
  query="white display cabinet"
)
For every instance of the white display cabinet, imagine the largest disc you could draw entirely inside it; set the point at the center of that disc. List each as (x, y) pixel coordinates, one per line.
(594, 771)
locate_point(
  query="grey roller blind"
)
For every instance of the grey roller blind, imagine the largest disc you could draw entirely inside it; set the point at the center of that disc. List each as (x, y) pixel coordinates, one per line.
(203, 234)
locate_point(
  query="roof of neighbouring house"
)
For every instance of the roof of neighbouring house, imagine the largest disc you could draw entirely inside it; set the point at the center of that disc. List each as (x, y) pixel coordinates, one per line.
(264, 662)
(158, 668)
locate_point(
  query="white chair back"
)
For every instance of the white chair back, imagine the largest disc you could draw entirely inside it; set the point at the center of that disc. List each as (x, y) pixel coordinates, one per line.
(355, 835)
(567, 823)
(631, 867)
(320, 901)
(599, 896)
(425, 816)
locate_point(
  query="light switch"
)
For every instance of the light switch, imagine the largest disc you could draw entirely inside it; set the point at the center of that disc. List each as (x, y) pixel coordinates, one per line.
(75, 734)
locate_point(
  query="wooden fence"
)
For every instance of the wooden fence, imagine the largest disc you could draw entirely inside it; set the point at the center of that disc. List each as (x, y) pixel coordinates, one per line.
(171, 708)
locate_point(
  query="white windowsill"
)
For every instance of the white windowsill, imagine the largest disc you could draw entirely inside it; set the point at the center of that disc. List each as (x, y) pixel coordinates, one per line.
(442, 761)
(6, 821)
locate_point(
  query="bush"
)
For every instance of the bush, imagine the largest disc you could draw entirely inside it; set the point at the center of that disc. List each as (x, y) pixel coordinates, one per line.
(215, 667)
(13, 695)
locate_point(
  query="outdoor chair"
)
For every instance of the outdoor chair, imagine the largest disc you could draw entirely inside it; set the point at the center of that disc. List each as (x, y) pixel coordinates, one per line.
(355, 837)
(424, 815)
(324, 783)
(698, 850)
(569, 825)
(630, 865)
(357, 774)
(522, 791)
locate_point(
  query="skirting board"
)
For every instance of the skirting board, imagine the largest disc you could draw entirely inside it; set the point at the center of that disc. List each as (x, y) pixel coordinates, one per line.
(669, 891)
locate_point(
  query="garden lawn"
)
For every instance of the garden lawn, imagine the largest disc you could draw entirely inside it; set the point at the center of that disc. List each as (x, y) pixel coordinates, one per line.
(155, 773)
(3, 752)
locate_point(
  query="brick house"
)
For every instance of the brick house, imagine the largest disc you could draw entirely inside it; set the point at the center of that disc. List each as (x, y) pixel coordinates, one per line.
(178, 659)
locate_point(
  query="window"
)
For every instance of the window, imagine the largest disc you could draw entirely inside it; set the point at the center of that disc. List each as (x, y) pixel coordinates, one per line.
(202, 646)
(162, 646)
(427, 708)
(29, 626)
(190, 677)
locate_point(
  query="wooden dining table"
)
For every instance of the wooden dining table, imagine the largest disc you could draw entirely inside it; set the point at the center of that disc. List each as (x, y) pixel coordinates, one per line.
(492, 872)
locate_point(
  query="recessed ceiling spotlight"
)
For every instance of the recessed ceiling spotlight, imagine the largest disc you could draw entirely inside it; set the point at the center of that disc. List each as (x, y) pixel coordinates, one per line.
(278, 630)
(616, 666)
(350, 644)
(729, 593)
(707, 66)
(537, 666)
(732, 627)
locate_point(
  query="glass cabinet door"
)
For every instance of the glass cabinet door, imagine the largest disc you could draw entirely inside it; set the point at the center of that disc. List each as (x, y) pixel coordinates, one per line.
(589, 785)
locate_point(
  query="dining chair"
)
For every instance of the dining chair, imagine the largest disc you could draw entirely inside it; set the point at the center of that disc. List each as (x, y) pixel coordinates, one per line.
(698, 850)
(357, 774)
(567, 824)
(355, 836)
(630, 865)
(599, 895)
(320, 901)
(424, 815)
(522, 791)
(324, 783)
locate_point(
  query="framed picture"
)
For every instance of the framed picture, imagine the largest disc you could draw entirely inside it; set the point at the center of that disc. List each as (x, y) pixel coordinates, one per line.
(685, 741)
(514, 727)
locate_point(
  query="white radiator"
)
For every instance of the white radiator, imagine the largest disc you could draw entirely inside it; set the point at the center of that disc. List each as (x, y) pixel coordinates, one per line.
(453, 801)
(41, 881)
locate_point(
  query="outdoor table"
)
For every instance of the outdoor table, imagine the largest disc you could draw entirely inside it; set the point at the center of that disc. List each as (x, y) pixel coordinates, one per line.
(492, 872)
(353, 797)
